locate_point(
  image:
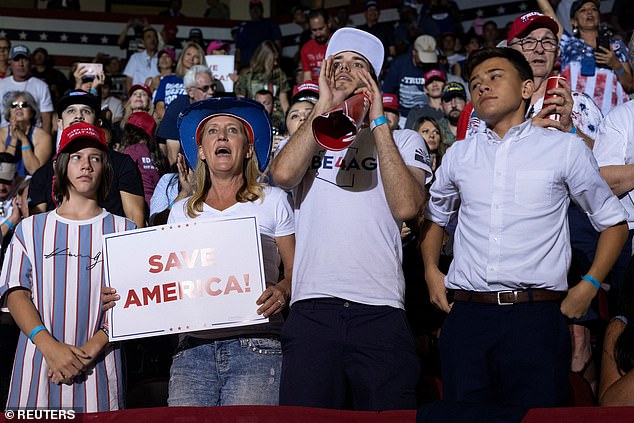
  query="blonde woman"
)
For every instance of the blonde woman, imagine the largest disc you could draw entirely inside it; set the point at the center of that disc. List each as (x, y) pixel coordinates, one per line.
(139, 100)
(265, 74)
(228, 141)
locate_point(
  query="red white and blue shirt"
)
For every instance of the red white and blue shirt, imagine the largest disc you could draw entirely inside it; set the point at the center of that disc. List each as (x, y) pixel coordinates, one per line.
(603, 87)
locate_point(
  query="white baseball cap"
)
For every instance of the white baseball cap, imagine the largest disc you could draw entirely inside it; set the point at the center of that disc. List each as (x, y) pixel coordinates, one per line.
(358, 41)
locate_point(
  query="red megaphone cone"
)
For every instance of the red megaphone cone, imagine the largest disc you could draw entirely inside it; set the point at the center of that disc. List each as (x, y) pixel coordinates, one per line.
(337, 129)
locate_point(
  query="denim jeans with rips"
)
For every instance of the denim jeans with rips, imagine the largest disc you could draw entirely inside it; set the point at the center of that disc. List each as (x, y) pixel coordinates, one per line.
(238, 371)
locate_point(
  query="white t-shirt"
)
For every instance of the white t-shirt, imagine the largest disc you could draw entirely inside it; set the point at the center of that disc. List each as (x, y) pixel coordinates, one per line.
(348, 243)
(614, 145)
(141, 67)
(115, 106)
(36, 87)
(275, 219)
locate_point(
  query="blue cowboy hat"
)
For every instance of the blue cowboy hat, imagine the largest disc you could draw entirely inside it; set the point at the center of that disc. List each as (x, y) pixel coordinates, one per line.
(249, 112)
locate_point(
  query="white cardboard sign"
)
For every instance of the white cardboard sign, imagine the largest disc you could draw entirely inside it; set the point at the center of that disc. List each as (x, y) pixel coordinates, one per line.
(184, 277)
(222, 66)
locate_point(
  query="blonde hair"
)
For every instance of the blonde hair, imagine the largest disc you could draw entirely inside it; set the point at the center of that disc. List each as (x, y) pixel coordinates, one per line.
(180, 67)
(263, 60)
(252, 188)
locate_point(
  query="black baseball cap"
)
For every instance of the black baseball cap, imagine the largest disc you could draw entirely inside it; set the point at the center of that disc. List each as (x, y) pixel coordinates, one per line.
(579, 3)
(453, 89)
(78, 97)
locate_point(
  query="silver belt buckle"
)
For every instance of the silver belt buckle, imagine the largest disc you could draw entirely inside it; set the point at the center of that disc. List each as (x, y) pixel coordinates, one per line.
(500, 302)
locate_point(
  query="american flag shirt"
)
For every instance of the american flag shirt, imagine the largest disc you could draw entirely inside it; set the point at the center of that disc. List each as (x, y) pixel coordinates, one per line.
(586, 116)
(603, 87)
(60, 262)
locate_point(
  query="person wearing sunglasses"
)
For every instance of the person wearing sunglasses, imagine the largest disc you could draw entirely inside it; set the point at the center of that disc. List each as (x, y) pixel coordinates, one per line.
(30, 145)
(199, 84)
(21, 79)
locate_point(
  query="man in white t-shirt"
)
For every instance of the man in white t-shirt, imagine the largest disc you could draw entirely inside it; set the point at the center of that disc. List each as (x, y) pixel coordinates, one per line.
(346, 342)
(21, 80)
(143, 65)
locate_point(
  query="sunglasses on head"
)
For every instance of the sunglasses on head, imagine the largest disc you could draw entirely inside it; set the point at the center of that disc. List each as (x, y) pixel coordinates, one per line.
(20, 105)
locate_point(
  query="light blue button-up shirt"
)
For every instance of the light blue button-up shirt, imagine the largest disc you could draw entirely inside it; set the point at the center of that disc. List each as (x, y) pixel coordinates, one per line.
(513, 194)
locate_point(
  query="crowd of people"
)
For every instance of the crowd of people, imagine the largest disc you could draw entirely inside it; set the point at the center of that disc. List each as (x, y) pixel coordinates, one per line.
(510, 196)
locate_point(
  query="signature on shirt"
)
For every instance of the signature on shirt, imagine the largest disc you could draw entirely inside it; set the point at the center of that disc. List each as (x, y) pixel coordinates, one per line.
(64, 252)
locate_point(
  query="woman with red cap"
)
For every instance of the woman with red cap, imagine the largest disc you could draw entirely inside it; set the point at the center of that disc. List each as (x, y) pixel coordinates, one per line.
(139, 100)
(139, 143)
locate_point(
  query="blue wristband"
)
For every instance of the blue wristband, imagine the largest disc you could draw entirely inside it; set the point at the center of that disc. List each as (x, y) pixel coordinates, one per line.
(621, 71)
(377, 122)
(35, 331)
(9, 224)
(573, 130)
(592, 280)
(26, 147)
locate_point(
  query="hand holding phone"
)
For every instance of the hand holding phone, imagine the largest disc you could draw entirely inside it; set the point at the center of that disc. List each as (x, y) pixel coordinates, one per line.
(92, 70)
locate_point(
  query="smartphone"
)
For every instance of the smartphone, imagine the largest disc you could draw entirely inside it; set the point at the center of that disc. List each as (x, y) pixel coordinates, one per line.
(603, 40)
(92, 70)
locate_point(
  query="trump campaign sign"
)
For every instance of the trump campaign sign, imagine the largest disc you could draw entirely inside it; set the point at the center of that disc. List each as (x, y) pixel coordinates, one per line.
(222, 67)
(184, 277)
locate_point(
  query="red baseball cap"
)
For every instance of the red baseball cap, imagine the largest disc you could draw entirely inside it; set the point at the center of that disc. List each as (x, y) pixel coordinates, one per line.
(390, 102)
(169, 51)
(144, 121)
(432, 74)
(529, 22)
(82, 131)
(307, 91)
(143, 87)
(218, 45)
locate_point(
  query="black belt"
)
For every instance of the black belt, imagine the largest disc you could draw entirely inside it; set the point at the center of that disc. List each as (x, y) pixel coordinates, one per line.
(508, 297)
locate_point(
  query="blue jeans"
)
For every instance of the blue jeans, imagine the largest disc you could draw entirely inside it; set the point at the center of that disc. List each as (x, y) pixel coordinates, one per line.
(239, 371)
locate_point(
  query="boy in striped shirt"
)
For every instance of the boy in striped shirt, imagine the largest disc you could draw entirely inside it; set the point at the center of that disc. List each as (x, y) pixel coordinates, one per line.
(51, 281)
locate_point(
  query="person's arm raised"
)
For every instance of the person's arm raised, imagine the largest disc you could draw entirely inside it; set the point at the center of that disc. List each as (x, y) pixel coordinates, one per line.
(292, 162)
(403, 185)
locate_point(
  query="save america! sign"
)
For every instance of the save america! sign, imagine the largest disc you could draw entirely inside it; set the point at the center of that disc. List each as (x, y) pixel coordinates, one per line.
(184, 277)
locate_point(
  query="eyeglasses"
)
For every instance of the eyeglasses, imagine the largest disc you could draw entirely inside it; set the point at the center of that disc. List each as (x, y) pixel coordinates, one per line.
(20, 105)
(206, 88)
(530, 44)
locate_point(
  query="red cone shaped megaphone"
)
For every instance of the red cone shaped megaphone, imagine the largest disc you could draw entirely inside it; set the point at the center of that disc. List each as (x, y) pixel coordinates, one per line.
(337, 129)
